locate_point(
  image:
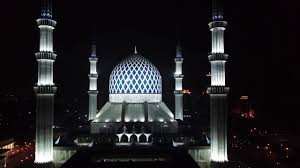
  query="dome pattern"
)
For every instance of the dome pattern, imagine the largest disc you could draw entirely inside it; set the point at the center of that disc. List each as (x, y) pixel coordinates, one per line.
(135, 75)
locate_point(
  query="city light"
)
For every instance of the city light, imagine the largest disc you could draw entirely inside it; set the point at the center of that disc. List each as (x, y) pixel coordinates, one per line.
(187, 91)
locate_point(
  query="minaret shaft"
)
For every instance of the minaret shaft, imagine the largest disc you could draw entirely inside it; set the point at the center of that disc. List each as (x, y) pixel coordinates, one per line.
(45, 88)
(93, 92)
(46, 38)
(178, 76)
(218, 90)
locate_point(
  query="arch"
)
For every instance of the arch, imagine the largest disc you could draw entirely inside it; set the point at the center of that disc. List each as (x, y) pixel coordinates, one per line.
(133, 138)
(124, 138)
(143, 138)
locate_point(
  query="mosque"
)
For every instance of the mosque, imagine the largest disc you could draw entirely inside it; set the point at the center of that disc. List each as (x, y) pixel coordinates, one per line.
(135, 112)
(135, 99)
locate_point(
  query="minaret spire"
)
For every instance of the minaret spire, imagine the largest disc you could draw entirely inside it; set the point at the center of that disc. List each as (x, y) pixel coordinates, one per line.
(93, 51)
(217, 10)
(93, 76)
(178, 46)
(45, 88)
(46, 9)
(135, 50)
(218, 90)
(178, 76)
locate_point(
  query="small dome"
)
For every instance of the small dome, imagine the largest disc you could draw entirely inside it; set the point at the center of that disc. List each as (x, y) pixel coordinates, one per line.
(135, 75)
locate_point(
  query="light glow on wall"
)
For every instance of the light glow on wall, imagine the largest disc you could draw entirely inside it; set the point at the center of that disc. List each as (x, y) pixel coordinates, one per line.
(218, 158)
(218, 40)
(93, 67)
(135, 98)
(92, 106)
(45, 72)
(218, 113)
(178, 84)
(127, 119)
(42, 157)
(178, 70)
(46, 38)
(44, 128)
(93, 83)
(218, 73)
(179, 106)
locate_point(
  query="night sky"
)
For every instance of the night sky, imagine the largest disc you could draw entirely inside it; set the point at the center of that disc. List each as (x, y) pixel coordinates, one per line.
(261, 40)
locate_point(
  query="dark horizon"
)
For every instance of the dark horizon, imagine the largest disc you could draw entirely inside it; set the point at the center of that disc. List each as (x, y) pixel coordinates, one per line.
(259, 39)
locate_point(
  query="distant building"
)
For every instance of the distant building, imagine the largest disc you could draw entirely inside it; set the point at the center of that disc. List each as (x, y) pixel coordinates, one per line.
(6, 145)
(245, 108)
(187, 104)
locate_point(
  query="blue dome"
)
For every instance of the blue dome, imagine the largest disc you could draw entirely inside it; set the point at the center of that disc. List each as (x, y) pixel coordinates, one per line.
(135, 75)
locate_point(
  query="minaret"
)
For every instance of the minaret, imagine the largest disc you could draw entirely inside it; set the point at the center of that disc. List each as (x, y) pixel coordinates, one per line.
(93, 92)
(218, 90)
(45, 88)
(178, 82)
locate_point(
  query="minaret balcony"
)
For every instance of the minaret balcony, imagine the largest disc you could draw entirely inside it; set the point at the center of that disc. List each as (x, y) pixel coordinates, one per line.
(46, 22)
(178, 91)
(216, 24)
(217, 57)
(93, 59)
(45, 55)
(178, 59)
(218, 90)
(179, 76)
(93, 76)
(93, 92)
(47, 89)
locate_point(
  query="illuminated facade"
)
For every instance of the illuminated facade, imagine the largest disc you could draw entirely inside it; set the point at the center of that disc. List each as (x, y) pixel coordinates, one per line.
(135, 96)
(135, 93)
(218, 90)
(45, 88)
(93, 92)
(135, 79)
(178, 83)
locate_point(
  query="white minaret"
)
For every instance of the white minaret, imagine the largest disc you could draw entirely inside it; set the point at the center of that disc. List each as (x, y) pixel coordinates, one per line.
(45, 88)
(178, 82)
(218, 90)
(93, 92)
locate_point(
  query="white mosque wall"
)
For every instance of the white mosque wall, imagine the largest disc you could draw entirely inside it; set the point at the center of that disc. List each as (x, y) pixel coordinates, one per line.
(201, 155)
(135, 98)
(62, 154)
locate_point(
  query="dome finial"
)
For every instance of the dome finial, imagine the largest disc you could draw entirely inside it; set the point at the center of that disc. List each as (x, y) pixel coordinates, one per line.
(135, 50)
